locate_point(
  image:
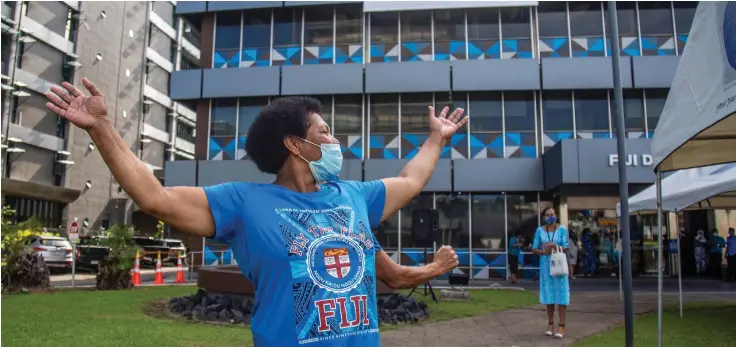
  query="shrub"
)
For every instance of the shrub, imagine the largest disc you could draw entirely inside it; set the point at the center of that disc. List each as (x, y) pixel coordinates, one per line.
(23, 269)
(114, 271)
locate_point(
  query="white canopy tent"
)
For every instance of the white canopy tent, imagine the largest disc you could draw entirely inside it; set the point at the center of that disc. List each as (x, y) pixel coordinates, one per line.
(710, 187)
(698, 123)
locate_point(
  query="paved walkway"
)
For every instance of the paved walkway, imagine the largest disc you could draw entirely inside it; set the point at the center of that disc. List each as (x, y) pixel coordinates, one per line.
(588, 314)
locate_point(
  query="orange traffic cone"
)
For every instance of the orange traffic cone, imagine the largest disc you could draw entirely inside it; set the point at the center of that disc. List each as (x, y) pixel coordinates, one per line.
(137, 269)
(179, 271)
(159, 278)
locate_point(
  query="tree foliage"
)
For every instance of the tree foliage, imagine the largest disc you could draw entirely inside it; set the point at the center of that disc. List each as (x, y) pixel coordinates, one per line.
(114, 272)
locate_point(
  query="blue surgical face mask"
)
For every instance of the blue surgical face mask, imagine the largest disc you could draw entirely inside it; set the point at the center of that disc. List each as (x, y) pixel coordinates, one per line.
(328, 167)
(550, 219)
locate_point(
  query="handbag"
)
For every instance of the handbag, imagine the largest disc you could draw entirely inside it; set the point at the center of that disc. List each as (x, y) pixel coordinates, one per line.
(558, 262)
(603, 258)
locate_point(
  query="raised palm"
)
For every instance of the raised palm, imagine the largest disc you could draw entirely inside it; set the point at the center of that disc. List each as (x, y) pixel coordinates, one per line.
(82, 110)
(445, 125)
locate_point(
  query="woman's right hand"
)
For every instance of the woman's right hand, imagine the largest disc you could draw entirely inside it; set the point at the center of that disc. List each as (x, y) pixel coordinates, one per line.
(81, 110)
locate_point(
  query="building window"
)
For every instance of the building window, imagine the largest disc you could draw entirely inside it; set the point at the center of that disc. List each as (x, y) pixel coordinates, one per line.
(684, 14)
(457, 146)
(384, 37)
(416, 36)
(488, 220)
(227, 40)
(519, 119)
(223, 125)
(522, 216)
(349, 33)
(557, 117)
(387, 234)
(248, 109)
(414, 122)
(657, 30)
(384, 126)
(586, 29)
(628, 29)
(654, 101)
(449, 35)
(484, 34)
(256, 38)
(347, 124)
(454, 225)
(287, 36)
(486, 125)
(48, 213)
(516, 32)
(591, 114)
(410, 253)
(319, 34)
(488, 244)
(633, 113)
(552, 24)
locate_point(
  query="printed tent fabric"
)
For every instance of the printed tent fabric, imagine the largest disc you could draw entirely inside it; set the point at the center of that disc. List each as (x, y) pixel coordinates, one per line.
(698, 123)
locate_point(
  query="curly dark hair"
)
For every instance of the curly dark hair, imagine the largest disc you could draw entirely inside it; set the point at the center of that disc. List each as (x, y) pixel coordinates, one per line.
(286, 116)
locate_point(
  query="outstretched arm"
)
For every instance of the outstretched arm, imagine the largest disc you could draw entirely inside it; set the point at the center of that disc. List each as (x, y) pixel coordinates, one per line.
(184, 208)
(417, 172)
(398, 276)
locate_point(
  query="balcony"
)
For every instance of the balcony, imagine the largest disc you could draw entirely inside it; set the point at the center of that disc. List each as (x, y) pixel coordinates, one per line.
(192, 35)
(8, 10)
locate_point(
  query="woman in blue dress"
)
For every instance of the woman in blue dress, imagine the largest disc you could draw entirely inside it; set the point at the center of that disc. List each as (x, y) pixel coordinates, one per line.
(553, 290)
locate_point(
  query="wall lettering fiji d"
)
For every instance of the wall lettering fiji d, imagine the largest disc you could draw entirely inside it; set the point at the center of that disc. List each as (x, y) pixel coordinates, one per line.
(632, 159)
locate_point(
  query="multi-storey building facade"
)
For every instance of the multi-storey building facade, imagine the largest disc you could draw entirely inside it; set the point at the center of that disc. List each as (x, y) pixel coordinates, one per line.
(129, 49)
(534, 77)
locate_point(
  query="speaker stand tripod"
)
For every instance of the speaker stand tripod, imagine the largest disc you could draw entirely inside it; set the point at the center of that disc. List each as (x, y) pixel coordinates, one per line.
(427, 286)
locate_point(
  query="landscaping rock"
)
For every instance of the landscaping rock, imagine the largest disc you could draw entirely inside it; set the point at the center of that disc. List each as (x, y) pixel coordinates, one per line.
(397, 309)
(212, 307)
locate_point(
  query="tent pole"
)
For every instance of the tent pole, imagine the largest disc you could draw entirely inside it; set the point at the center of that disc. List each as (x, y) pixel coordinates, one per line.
(679, 260)
(623, 184)
(659, 257)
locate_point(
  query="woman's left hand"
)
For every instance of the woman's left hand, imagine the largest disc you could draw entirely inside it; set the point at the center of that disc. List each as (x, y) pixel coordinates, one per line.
(445, 259)
(445, 125)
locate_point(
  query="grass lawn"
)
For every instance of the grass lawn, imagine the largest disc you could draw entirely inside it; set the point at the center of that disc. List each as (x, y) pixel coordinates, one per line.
(708, 324)
(116, 318)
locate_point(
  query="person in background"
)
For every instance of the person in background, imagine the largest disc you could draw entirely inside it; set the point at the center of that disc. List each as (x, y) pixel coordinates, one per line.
(731, 256)
(701, 256)
(716, 245)
(553, 290)
(589, 256)
(516, 243)
(572, 253)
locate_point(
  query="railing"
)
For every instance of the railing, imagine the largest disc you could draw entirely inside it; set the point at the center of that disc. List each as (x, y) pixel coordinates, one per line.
(185, 132)
(192, 35)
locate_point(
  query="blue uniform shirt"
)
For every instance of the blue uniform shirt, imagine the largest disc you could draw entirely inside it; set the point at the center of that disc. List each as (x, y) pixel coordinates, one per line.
(514, 250)
(310, 257)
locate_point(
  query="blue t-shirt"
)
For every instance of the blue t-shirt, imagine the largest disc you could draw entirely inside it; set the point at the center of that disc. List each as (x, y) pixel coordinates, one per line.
(310, 257)
(514, 250)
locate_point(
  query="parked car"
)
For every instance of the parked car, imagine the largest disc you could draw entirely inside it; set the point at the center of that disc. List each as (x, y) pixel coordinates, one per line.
(176, 247)
(150, 248)
(56, 251)
(90, 252)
